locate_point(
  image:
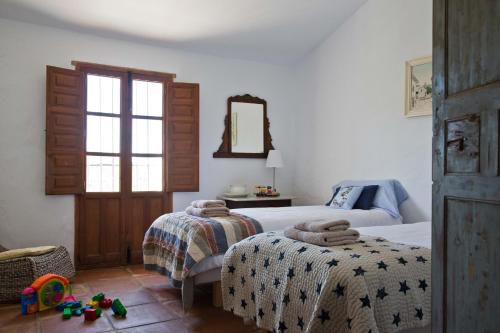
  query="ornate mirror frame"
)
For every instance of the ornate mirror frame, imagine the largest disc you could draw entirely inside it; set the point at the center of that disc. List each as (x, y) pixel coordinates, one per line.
(224, 150)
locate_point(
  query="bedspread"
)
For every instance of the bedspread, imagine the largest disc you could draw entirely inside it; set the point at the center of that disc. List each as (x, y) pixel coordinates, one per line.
(175, 242)
(291, 286)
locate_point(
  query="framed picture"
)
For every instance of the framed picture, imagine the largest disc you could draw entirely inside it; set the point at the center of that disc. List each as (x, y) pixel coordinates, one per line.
(419, 87)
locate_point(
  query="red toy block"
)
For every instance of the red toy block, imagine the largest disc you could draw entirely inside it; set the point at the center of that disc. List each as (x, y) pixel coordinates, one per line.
(105, 303)
(90, 314)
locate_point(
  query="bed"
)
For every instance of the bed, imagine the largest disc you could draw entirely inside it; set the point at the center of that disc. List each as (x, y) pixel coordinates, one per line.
(190, 250)
(380, 284)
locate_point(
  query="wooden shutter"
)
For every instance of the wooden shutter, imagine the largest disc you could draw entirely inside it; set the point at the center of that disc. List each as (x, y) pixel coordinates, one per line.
(64, 140)
(182, 125)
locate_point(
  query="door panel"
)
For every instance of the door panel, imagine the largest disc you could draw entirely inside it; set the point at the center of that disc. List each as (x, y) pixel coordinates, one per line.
(143, 211)
(466, 182)
(111, 226)
(99, 232)
(473, 235)
(472, 26)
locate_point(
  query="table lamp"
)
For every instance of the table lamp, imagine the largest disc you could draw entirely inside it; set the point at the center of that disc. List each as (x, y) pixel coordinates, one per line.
(274, 161)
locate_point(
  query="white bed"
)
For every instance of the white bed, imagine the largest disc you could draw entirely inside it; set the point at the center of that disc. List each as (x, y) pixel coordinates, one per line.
(277, 218)
(418, 234)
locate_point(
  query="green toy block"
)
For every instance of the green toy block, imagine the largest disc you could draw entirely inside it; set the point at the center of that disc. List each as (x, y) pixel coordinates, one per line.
(98, 312)
(99, 297)
(67, 313)
(118, 308)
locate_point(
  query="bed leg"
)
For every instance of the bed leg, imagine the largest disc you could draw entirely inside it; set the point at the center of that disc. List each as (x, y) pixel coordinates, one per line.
(187, 293)
(217, 294)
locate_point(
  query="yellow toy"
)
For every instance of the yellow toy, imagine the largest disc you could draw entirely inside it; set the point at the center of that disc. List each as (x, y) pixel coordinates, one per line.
(50, 290)
(92, 303)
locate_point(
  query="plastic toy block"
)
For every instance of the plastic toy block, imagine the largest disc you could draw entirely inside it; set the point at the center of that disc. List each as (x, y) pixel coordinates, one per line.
(93, 304)
(70, 298)
(90, 314)
(99, 297)
(72, 305)
(105, 303)
(118, 308)
(98, 312)
(76, 312)
(67, 313)
(86, 307)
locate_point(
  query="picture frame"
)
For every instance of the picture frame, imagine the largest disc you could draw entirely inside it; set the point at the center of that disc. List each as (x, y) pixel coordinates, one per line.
(418, 99)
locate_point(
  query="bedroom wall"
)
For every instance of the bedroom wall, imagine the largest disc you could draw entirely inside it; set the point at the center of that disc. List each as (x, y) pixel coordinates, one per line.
(351, 120)
(29, 217)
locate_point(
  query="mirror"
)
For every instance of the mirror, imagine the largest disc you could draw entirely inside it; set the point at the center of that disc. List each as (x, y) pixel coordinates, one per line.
(246, 133)
(247, 126)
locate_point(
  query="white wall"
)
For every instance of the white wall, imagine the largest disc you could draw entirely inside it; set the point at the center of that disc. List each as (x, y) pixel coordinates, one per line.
(347, 112)
(351, 120)
(27, 215)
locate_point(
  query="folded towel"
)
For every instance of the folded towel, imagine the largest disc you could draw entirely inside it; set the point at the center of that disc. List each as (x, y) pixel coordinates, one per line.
(323, 225)
(208, 203)
(208, 212)
(326, 238)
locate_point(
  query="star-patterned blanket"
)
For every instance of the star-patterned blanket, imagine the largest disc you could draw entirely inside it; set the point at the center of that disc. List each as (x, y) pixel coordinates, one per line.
(291, 286)
(175, 242)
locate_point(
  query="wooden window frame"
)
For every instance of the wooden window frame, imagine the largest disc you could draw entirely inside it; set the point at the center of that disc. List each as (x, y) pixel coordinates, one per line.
(126, 76)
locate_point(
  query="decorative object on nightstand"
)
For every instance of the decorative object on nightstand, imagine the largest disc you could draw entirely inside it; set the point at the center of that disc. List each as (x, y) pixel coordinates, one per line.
(237, 191)
(252, 201)
(274, 161)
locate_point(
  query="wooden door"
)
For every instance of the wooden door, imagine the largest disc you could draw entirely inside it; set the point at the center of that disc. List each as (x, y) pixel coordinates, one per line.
(466, 181)
(121, 202)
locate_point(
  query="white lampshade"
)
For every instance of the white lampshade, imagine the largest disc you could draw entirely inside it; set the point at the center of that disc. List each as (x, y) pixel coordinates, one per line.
(274, 159)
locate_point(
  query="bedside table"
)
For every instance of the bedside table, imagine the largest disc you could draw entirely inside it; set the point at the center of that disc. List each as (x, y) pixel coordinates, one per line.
(256, 202)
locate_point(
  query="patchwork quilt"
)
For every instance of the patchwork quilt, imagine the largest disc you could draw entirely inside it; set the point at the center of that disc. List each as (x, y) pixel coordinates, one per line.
(291, 286)
(175, 242)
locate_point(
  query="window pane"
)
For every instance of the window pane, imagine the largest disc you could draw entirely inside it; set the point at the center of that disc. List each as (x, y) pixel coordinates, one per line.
(147, 174)
(103, 174)
(147, 137)
(147, 98)
(103, 134)
(103, 94)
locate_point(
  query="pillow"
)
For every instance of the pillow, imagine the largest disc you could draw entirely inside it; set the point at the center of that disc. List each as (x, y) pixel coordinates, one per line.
(390, 195)
(346, 197)
(365, 200)
(333, 196)
(27, 252)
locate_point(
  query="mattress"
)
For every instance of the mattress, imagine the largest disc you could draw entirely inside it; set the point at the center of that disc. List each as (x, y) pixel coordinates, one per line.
(419, 234)
(277, 218)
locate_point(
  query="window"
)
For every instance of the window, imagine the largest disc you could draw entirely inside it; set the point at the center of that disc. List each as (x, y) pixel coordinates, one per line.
(147, 136)
(107, 131)
(105, 147)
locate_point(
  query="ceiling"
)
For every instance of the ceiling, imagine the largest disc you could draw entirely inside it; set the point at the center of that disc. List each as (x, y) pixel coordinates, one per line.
(276, 31)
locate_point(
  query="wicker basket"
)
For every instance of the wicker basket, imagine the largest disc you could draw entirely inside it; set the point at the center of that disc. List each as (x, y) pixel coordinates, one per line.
(17, 274)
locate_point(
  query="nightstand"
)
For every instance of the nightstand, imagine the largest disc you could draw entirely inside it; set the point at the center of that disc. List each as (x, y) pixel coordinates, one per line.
(254, 202)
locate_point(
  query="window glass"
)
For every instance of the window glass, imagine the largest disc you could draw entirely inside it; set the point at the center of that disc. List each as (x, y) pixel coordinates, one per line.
(147, 136)
(147, 98)
(103, 174)
(147, 174)
(103, 94)
(103, 134)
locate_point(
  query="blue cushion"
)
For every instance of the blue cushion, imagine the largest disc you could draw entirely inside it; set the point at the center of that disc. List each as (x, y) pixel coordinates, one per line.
(390, 195)
(333, 196)
(346, 197)
(365, 200)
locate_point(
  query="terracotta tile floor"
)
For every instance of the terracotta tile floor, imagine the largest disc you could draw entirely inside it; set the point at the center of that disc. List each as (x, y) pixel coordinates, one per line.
(152, 307)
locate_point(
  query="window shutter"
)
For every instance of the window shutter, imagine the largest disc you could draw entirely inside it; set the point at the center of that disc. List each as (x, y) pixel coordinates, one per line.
(182, 160)
(64, 137)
